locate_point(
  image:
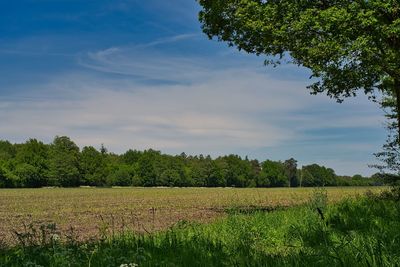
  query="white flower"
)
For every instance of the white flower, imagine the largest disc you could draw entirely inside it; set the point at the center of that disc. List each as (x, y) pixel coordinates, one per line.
(55, 237)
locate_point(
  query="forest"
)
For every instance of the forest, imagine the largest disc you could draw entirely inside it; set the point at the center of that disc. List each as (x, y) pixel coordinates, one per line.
(63, 164)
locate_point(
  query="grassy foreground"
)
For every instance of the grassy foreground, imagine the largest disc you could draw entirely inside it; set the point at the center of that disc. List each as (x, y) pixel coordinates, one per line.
(361, 231)
(139, 209)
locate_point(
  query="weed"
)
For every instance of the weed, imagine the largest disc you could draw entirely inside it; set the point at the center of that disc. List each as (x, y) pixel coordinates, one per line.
(319, 201)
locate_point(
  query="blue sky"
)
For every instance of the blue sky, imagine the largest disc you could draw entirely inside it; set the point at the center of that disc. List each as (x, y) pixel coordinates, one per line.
(140, 74)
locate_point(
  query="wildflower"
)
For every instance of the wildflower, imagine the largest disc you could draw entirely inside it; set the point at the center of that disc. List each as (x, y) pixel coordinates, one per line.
(55, 237)
(129, 265)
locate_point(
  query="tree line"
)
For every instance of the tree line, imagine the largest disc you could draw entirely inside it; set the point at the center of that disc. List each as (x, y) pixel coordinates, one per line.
(62, 163)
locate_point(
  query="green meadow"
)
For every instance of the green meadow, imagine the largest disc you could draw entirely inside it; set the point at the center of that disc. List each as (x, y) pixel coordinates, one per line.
(239, 227)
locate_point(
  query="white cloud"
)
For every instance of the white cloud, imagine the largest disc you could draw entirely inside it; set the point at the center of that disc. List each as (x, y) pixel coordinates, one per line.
(167, 40)
(138, 64)
(209, 116)
(216, 110)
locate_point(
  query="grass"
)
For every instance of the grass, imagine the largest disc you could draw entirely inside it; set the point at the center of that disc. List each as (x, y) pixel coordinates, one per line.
(360, 231)
(89, 212)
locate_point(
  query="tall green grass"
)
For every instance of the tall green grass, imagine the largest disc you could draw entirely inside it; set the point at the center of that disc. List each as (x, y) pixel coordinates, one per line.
(356, 232)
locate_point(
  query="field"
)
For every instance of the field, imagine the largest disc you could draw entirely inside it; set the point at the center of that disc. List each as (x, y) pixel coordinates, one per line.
(88, 212)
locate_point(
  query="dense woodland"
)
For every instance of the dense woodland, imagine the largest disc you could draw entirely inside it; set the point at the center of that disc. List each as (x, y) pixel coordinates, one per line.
(62, 163)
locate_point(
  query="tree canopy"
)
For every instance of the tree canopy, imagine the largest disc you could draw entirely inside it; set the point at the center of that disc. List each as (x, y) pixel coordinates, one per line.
(63, 163)
(347, 45)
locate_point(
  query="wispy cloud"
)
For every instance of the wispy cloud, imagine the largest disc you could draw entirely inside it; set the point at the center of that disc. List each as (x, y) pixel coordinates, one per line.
(167, 40)
(144, 62)
(200, 115)
(235, 110)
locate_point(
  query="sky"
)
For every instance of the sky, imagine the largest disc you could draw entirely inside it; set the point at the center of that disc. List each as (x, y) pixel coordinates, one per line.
(141, 74)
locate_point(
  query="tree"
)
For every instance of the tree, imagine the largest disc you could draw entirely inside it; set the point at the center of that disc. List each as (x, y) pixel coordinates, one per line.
(92, 166)
(7, 151)
(121, 176)
(7, 180)
(273, 172)
(238, 172)
(131, 156)
(347, 45)
(290, 166)
(28, 175)
(148, 167)
(64, 162)
(315, 175)
(217, 172)
(197, 172)
(307, 179)
(32, 165)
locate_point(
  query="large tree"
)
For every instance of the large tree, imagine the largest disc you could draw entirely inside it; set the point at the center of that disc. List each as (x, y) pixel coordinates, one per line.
(64, 162)
(31, 161)
(273, 174)
(315, 175)
(92, 166)
(290, 166)
(347, 45)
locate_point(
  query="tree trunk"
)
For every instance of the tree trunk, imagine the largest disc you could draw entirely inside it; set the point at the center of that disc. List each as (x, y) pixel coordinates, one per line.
(397, 92)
